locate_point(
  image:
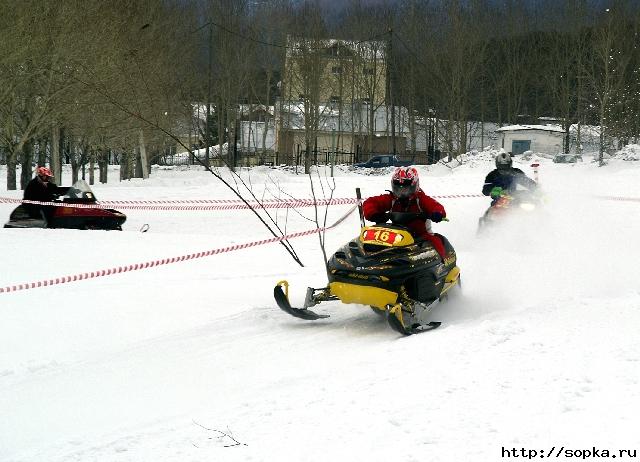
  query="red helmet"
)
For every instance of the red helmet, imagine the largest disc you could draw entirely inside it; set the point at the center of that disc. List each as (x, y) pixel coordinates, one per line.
(404, 182)
(45, 172)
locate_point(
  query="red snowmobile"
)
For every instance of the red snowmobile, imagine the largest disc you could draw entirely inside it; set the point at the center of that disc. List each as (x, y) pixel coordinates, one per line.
(509, 204)
(70, 214)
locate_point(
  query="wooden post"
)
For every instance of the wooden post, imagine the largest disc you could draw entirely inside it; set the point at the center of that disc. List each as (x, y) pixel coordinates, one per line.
(360, 211)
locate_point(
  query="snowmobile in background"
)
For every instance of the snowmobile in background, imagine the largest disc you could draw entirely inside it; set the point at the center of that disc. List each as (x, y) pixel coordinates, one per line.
(386, 268)
(509, 204)
(70, 217)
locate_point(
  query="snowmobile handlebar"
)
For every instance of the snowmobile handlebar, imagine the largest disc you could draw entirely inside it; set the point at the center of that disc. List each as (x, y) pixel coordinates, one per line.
(405, 217)
(384, 219)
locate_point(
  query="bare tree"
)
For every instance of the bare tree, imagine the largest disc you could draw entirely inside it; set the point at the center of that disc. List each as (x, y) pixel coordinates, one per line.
(613, 39)
(304, 69)
(562, 64)
(456, 55)
(623, 114)
(511, 60)
(33, 79)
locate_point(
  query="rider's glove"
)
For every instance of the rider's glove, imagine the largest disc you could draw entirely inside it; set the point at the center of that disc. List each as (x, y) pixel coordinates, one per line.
(436, 217)
(381, 217)
(496, 192)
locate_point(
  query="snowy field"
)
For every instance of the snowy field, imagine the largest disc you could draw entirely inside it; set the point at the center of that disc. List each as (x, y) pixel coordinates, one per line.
(193, 361)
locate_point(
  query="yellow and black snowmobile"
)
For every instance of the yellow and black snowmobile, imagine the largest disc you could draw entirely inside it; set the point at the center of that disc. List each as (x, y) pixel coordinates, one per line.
(386, 268)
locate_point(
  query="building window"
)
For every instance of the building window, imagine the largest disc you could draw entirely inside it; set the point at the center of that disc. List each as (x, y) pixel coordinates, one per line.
(335, 70)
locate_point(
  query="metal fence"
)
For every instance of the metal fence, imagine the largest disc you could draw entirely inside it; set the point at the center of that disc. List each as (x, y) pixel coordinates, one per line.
(253, 158)
(249, 159)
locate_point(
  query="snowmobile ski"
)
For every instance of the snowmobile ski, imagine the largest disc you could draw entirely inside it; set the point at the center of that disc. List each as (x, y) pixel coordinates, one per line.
(282, 299)
(411, 321)
(416, 329)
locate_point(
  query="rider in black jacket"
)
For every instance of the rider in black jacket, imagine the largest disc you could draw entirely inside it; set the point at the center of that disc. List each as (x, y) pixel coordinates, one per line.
(505, 178)
(42, 189)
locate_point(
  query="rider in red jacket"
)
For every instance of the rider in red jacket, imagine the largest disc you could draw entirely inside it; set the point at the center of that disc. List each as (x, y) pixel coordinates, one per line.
(406, 196)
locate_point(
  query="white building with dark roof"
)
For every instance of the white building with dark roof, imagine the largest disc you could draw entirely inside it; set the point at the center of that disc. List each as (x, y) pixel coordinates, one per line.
(517, 139)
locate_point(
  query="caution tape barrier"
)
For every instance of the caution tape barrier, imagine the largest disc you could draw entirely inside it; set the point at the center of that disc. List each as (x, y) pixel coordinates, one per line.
(618, 198)
(213, 204)
(165, 261)
(237, 204)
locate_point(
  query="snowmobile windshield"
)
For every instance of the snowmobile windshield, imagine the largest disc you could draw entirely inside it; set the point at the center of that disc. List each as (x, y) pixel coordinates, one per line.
(522, 194)
(79, 191)
(516, 182)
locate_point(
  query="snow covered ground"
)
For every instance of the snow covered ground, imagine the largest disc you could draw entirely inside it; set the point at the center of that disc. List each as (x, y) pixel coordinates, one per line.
(193, 361)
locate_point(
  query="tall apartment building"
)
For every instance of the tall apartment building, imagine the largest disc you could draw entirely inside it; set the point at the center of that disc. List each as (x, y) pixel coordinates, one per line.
(337, 90)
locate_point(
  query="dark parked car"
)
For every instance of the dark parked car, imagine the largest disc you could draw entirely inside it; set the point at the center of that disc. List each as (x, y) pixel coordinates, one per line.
(567, 158)
(384, 160)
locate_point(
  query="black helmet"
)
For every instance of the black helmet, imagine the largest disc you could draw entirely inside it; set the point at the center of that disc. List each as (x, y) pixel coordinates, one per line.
(503, 161)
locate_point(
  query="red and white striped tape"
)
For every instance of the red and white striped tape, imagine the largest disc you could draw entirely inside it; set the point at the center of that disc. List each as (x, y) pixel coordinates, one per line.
(214, 204)
(9, 200)
(236, 204)
(224, 206)
(165, 261)
(619, 198)
(343, 200)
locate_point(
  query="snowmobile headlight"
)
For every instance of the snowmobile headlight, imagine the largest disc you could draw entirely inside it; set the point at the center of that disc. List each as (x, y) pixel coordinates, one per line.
(424, 255)
(528, 206)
